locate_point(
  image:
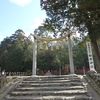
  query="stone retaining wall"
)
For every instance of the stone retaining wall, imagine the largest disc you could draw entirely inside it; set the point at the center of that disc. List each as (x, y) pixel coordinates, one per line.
(3, 81)
(95, 77)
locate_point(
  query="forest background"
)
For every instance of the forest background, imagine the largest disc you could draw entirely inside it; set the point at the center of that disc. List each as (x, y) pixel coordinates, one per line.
(16, 54)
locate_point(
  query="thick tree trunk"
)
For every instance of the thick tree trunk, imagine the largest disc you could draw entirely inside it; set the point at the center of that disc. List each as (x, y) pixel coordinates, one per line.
(96, 52)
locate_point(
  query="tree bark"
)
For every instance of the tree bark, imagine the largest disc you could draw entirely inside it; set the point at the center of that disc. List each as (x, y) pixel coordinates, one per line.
(96, 52)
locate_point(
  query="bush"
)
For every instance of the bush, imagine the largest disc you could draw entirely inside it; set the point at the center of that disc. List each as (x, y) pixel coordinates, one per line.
(28, 71)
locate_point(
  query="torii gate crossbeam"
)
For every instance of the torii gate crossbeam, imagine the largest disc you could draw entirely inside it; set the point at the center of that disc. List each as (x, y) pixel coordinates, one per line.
(35, 52)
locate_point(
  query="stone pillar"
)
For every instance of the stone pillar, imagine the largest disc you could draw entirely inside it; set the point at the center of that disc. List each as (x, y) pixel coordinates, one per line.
(34, 57)
(9, 73)
(4, 73)
(15, 74)
(70, 56)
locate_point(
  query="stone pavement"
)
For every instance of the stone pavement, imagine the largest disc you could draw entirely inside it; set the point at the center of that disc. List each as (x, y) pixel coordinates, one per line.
(52, 87)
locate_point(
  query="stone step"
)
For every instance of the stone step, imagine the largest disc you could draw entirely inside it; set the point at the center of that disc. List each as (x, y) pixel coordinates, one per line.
(74, 97)
(48, 88)
(49, 93)
(50, 84)
(47, 78)
(52, 81)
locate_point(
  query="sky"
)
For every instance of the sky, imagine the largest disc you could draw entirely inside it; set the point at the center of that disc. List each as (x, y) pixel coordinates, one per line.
(20, 14)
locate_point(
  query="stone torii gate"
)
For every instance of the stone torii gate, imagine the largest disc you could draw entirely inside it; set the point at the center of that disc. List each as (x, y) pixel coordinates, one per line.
(50, 40)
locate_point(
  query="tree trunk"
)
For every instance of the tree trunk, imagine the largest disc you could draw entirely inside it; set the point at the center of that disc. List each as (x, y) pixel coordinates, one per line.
(96, 52)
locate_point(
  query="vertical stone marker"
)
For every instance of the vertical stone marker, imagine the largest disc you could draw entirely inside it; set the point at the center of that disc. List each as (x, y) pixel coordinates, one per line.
(90, 56)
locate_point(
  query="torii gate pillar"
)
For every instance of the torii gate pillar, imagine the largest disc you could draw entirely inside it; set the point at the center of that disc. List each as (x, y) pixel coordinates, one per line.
(70, 56)
(34, 58)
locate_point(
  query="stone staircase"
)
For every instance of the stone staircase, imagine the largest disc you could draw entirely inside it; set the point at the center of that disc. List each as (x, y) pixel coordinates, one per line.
(64, 87)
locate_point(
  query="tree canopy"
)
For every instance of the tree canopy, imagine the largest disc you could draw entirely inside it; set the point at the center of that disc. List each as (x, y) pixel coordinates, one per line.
(81, 13)
(84, 15)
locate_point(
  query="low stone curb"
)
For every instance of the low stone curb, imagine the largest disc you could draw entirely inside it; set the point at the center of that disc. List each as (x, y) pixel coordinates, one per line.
(11, 84)
(5, 87)
(93, 84)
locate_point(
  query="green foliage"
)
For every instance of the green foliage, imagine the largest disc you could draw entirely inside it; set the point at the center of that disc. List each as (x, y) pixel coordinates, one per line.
(80, 57)
(46, 60)
(44, 30)
(82, 15)
(78, 13)
(28, 71)
(16, 54)
(13, 52)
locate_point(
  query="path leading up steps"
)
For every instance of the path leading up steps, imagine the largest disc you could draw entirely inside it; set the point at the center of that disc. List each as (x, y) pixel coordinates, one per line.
(61, 87)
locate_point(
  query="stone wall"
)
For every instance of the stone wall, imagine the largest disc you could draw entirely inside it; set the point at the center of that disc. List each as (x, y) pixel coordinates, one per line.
(94, 80)
(95, 77)
(3, 81)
